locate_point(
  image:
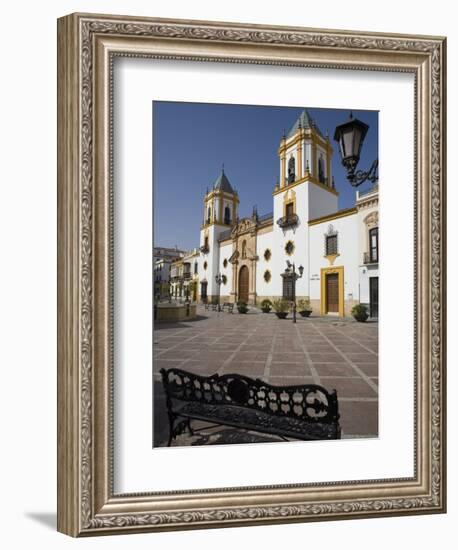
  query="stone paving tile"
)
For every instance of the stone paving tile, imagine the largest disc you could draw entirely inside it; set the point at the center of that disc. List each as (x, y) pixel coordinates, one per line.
(160, 363)
(361, 357)
(336, 369)
(249, 368)
(325, 357)
(350, 387)
(280, 353)
(359, 418)
(351, 348)
(286, 380)
(251, 356)
(177, 354)
(369, 369)
(294, 369)
(201, 367)
(291, 357)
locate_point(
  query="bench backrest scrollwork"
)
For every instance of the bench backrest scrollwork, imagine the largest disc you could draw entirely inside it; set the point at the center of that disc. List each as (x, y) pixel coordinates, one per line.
(308, 402)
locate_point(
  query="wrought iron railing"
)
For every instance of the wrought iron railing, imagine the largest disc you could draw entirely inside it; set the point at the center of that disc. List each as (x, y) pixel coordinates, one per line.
(205, 249)
(288, 221)
(370, 257)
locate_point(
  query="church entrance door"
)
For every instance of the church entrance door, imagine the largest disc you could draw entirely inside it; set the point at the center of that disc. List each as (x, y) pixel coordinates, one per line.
(243, 283)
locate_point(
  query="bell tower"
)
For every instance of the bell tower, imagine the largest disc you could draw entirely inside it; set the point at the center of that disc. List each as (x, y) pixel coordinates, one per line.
(305, 154)
(221, 203)
(220, 215)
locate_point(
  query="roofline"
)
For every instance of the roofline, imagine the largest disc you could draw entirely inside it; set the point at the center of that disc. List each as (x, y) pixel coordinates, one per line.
(335, 216)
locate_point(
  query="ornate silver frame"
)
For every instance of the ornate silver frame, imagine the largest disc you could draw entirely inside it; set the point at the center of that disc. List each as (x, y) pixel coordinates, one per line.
(87, 45)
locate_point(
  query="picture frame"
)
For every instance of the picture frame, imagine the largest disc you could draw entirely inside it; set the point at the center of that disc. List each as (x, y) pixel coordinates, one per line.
(87, 46)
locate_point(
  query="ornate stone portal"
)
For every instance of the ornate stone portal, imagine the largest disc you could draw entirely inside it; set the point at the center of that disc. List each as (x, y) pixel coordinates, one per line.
(244, 257)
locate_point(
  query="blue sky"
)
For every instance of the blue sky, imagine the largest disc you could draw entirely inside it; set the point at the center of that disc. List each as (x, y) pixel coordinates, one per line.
(193, 140)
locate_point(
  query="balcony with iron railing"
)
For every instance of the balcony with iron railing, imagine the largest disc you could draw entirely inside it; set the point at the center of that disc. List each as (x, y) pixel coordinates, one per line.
(370, 257)
(288, 221)
(187, 275)
(205, 249)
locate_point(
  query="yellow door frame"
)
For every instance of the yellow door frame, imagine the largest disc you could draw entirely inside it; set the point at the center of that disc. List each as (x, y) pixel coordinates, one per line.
(324, 288)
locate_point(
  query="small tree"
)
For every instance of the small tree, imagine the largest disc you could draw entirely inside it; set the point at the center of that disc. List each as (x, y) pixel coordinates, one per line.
(242, 307)
(304, 305)
(359, 312)
(281, 306)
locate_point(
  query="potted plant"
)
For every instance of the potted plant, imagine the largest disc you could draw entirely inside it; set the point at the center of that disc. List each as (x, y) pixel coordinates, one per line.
(266, 306)
(304, 308)
(360, 313)
(281, 308)
(242, 307)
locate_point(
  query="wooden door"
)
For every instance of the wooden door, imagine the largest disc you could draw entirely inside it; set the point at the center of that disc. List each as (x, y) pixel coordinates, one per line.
(243, 283)
(289, 210)
(332, 293)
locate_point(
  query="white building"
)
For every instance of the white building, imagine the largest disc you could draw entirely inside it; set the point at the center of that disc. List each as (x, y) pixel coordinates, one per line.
(162, 261)
(338, 249)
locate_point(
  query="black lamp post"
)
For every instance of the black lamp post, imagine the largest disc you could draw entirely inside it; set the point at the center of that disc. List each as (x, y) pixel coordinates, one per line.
(219, 280)
(350, 137)
(291, 269)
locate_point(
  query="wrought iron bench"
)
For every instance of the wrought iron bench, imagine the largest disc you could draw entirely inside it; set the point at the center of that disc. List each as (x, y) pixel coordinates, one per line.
(229, 306)
(307, 412)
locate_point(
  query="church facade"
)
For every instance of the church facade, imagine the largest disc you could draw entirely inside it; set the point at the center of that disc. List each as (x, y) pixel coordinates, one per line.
(338, 249)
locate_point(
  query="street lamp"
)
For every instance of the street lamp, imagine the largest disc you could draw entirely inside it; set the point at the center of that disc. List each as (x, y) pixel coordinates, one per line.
(350, 137)
(291, 270)
(219, 280)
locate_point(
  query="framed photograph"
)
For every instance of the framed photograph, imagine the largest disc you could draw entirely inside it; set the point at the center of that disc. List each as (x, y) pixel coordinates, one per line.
(251, 250)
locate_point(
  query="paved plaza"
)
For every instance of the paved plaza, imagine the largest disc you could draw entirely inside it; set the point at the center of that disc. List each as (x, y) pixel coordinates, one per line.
(336, 353)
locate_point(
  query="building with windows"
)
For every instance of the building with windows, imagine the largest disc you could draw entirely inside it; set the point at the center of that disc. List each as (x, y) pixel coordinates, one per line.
(184, 278)
(338, 249)
(162, 261)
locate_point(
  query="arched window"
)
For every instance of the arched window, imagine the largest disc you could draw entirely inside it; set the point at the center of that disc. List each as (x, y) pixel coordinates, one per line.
(227, 215)
(291, 170)
(321, 176)
(244, 250)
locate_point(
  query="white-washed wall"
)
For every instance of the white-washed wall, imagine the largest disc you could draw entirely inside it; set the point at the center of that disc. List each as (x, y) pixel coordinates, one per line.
(348, 250)
(265, 242)
(365, 272)
(225, 253)
(298, 235)
(321, 202)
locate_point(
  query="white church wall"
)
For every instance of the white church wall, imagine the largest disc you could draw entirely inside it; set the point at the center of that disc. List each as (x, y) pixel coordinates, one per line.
(321, 202)
(348, 250)
(263, 288)
(211, 259)
(298, 235)
(225, 253)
